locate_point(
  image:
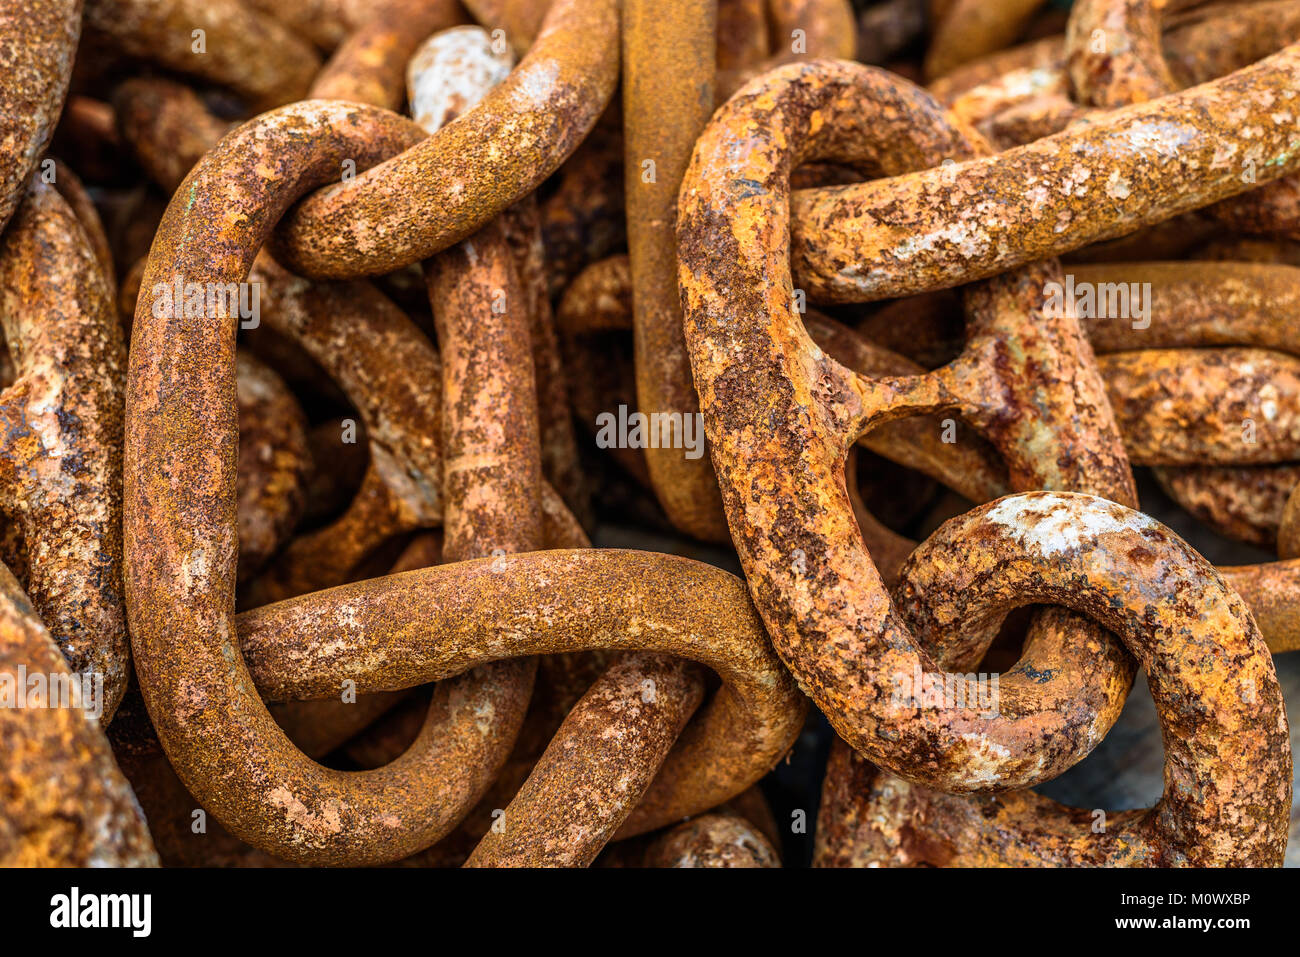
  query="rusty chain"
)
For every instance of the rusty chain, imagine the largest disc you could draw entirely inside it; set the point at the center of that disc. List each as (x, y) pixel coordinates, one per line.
(357, 467)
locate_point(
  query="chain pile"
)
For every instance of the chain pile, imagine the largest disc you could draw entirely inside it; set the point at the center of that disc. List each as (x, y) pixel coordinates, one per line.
(335, 333)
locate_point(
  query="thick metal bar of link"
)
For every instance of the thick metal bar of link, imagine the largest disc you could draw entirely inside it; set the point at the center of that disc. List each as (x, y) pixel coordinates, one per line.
(36, 63)
(608, 750)
(1132, 167)
(445, 188)
(376, 633)
(222, 41)
(668, 67)
(60, 477)
(66, 803)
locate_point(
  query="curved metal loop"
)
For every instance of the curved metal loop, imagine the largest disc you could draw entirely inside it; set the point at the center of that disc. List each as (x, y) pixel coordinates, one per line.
(762, 384)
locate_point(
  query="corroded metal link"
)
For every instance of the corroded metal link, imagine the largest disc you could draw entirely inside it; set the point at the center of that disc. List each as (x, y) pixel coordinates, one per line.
(742, 33)
(599, 300)
(445, 188)
(1241, 502)
(1135, 166)
(66, 803)
(167, 126)
(972, 28)
(968, 465)
(559, 446)
(799, 30)
(491, 445)
(181, 534)
(1271, 211)
(782, 415)
(667, 97)
(1198, 46)
(237, 46)
(1227, 759)
(60, 479)
(370, 65)
(1033, 98)
(1159, 397)
(273, 462)
(711, 840)
(74, 193)
(36, 69)
(353, 331)
(377, 632)
(1196, 304)
(1114, 52)
(602, 758)
(449, 74)
(1272, 590)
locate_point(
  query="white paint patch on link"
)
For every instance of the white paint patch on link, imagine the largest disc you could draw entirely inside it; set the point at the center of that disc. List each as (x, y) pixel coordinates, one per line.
(1052, 524)
(451, 72)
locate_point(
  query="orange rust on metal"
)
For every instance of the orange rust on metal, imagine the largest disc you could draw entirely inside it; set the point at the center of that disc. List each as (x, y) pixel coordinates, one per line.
(742, 33)
(667, 98)
(66, 803)
(782, 415)
(1272, 591)
(1192, 304)
(273, 462)
(376, 633)
(799, 30)
(1128, 168)
(60, 479)
(36, 63)
(718, 839)
(1227, 764)
(599, 301)
(972, 28)
(444, 189)
(1033, 99)
(1159, 398)
(73, 191)
(521, 20)
(559, 447)
(370, 65)
(597, 766)
(1114, 51)
(353, 331)
(1198, 46)
(1241, 502)
(222, 41)
(491, 446)
(181, 533)
(167, 126)
(814, 28)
